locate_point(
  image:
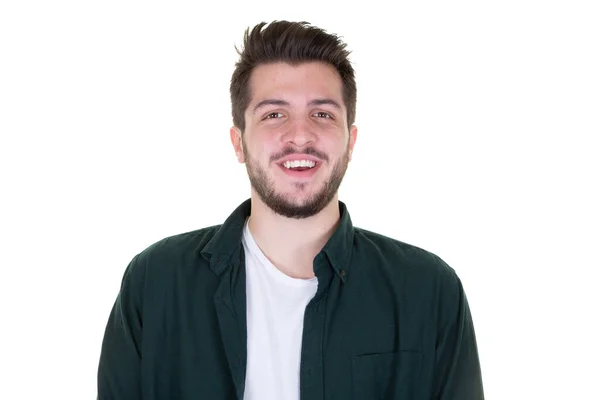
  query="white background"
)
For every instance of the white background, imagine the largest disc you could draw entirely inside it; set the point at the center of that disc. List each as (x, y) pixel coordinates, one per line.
(478, 140)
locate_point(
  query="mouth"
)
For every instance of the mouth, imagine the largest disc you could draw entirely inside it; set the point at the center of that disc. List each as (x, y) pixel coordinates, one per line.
(301, 171)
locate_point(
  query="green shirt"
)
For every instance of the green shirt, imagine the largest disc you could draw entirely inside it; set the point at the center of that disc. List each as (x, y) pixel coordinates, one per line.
(389, 321)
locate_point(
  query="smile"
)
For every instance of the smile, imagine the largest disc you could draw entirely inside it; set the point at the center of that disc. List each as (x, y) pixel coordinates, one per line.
(299, 164)
(300, 169)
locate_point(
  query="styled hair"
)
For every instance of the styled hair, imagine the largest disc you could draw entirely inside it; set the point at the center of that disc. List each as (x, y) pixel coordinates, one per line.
(293, 43)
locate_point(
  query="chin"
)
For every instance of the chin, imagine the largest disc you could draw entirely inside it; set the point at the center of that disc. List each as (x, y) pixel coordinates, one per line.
(299, 191)
(295, 197)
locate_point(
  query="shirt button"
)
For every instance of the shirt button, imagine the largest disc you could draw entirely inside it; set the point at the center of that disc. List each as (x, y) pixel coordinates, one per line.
(342, 273)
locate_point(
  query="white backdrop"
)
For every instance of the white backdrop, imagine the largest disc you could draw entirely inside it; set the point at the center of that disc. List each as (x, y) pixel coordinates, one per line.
(478, 131)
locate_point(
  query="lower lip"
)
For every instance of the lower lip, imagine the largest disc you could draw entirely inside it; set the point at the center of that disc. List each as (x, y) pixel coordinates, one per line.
(301, 174)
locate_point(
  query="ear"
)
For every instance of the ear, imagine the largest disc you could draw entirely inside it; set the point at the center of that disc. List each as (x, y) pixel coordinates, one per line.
(236, 140)
(352, 140)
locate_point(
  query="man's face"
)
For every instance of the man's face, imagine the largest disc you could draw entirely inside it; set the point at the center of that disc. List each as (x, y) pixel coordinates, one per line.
(295, 112)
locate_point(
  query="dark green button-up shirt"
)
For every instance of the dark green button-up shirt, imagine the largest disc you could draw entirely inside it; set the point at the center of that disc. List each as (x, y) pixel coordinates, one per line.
(388, 321)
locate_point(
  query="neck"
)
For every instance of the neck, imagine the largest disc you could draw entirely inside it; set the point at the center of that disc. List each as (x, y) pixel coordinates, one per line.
(292, 244)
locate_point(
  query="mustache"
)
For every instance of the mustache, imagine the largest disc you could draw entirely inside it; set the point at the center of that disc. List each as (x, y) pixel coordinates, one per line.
(308, 151)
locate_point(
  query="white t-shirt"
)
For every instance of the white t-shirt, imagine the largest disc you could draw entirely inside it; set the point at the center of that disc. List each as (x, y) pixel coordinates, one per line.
(275, 305)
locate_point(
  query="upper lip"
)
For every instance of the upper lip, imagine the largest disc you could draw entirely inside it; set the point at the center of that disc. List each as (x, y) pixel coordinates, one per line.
(297, 157)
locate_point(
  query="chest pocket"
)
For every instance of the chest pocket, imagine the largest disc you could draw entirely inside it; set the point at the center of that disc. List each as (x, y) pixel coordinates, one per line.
(387, 376)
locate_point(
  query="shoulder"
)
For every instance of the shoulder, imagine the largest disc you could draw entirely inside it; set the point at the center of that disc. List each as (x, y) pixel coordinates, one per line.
(415, 273)
(401, 258)
(174, 251)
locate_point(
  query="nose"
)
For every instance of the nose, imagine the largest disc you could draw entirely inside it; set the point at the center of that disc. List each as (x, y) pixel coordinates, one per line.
(299, 132)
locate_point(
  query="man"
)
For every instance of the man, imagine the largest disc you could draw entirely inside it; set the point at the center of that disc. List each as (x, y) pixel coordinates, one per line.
(286, 299)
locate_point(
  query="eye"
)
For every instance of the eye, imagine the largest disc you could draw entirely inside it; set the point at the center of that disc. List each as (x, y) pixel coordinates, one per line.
(273, 115)
(322, 114)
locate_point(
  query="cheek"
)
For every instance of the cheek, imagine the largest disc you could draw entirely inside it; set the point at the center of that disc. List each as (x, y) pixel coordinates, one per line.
(259, 157)
(335, 148)
(266, 151)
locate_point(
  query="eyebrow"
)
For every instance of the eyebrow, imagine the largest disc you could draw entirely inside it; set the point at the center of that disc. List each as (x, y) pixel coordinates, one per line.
(315, 102)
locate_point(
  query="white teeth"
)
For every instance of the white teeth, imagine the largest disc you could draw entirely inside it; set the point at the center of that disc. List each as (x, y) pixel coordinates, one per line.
(299, 163)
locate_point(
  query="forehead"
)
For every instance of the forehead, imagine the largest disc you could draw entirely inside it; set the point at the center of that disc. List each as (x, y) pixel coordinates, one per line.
(303, 81)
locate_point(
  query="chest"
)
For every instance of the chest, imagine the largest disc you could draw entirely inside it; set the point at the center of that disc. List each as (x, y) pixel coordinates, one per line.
(349, 342)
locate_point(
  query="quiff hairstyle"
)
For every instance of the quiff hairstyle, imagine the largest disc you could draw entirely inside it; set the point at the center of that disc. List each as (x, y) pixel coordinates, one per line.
(293, 43)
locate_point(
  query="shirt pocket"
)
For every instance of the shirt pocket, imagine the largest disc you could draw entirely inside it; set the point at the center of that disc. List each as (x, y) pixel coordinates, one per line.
(387, 376)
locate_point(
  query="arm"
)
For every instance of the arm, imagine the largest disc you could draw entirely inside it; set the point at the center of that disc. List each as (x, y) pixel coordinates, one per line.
(458, 373)
(119, 371)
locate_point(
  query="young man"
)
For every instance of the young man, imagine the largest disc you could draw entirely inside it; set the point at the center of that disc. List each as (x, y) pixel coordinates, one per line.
(286, 299)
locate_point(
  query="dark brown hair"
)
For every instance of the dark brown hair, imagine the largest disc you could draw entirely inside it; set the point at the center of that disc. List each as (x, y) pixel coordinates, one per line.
(293, 43)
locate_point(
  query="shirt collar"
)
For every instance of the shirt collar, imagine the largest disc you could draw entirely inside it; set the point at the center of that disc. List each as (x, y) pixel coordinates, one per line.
(228, 238)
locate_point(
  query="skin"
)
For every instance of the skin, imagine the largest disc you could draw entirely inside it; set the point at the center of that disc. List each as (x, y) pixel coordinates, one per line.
(292, 218)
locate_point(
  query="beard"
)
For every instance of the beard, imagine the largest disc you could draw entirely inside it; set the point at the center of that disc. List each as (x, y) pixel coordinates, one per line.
(286, 205)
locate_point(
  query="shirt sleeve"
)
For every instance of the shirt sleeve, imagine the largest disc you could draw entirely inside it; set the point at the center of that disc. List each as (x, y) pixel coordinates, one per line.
(457, 372)
(119, 370)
